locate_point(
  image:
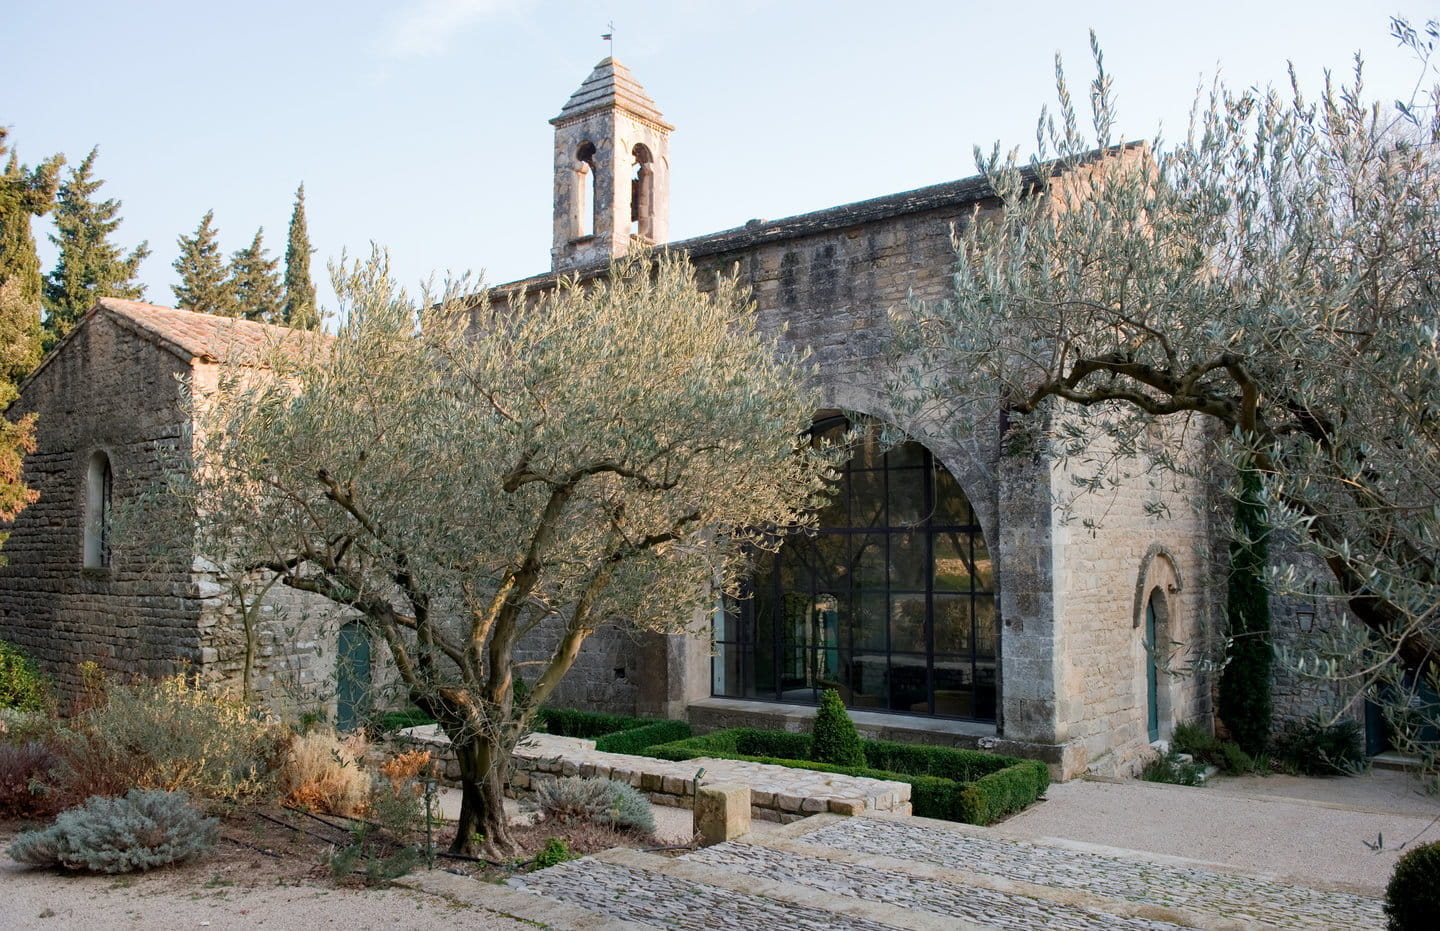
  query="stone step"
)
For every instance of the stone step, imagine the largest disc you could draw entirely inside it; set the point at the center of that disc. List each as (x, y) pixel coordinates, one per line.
(517, 903)
(946, 893)
(675, 893)
(1134, 885)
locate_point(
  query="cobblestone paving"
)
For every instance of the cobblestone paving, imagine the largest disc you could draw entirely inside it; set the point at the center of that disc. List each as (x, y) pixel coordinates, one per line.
(1000, 909)
(1273, 904)
(669, 901)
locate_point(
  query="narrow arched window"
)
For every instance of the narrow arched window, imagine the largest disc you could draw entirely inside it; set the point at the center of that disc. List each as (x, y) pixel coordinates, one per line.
(98, 483)
(642, 195)
(585, 179)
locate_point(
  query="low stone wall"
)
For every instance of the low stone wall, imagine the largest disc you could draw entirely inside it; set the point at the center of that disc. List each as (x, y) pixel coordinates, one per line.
(777, 793)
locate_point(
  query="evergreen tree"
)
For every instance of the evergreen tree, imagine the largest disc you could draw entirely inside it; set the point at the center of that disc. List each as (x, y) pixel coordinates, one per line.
(255, 282)
(24, 193)
(1245, 683)
(90, 266)
(300, 310)
(205, 284)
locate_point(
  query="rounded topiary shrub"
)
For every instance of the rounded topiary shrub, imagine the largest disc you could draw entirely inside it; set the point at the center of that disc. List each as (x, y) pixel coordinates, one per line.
(833, 739)
(1412, 900)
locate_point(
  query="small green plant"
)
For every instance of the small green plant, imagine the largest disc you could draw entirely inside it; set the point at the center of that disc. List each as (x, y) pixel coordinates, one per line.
(833, 738)
(1226, 755)
(1412, 898)
(17, 726)
(602, 801)
(556, 850)
(22, 685)
(143, 830)
(1314, 748)
(1170, 768)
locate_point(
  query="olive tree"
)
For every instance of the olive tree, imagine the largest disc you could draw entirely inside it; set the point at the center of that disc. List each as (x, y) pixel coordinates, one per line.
(465, 478)
(1275, 275)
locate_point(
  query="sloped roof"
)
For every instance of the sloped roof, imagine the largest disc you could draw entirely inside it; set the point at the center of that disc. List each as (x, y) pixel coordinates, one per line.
(201, 337)
(611, 85)
(190, 336)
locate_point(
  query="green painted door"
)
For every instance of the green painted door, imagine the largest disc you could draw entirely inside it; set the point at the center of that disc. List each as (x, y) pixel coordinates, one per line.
(1152, 685)
(352, 668)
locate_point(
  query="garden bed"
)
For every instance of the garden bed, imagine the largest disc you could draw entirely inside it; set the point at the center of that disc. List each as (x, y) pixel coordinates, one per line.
(968, 786)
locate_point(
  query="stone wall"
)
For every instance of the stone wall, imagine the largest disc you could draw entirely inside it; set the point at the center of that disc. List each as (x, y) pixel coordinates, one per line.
(1147, 535)
(110, 391)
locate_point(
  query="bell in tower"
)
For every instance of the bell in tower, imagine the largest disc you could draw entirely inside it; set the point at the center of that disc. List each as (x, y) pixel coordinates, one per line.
(612, 170)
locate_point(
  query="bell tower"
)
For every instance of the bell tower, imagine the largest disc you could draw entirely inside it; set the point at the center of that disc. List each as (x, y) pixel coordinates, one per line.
(612, 170)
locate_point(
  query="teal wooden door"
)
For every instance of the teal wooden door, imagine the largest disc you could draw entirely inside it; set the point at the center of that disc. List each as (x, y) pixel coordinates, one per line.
(352, 669)
(1152, 684)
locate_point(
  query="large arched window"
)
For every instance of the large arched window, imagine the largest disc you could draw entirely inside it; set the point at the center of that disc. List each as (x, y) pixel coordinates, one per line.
(98, 481)
(890, 600)
(584, 203)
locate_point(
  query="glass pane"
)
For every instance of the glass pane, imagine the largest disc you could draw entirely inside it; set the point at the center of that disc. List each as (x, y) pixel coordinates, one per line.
(827, 669)
(907, 623)
(727, 669)
(867, 678)
(905, 456)
(795, 681)
(795, 617)
(867, 559)
(867, 499)
(909, 561)
(908, 684)
(985, 628)
(953, 696)
(953, 566)
(908, 507)
(984, 567)
(868, 454)
(831, 554)
(869, 623)
(833, 513)
(795, 558)
(730, 620)
(952, 508)
(952, 623)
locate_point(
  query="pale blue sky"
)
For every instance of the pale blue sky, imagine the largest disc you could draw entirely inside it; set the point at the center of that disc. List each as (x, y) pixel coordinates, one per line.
(421, 124)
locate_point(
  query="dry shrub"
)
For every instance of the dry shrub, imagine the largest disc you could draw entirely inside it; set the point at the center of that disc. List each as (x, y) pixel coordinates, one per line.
(322, 772)
(24, 774)
(169, 735)
(404, 769)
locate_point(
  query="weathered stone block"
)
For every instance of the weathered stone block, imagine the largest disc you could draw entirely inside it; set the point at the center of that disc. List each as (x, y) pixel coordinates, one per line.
(722, 812)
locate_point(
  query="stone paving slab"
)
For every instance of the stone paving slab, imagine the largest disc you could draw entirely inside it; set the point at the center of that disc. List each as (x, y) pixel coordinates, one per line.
(951, 899)
(668, 901)
(1130, 878)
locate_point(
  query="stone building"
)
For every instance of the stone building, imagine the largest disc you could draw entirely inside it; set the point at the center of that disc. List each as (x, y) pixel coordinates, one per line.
(943, 596)
(111, 401)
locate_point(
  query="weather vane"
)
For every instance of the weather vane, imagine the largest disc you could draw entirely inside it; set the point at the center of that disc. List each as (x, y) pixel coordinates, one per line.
(610, 36)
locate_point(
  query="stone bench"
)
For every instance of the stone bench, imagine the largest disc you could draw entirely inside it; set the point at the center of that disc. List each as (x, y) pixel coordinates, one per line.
(777, 793)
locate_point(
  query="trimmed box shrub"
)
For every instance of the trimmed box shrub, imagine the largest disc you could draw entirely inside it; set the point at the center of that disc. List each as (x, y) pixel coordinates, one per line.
(1412, 898)
(833, 738)
(948, 783)
(612, 733)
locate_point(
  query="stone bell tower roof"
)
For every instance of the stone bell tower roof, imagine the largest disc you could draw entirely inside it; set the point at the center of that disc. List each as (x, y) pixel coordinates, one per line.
(611, 85)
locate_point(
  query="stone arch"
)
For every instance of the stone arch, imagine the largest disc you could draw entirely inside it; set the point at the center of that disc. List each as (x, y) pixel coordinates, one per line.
(585, 203)
(1157, 628)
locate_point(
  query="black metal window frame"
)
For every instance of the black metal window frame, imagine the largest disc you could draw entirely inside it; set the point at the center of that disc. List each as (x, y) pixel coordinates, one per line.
(754, 666)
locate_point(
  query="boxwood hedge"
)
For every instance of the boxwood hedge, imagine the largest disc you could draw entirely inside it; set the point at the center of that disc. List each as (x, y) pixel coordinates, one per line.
(945, 782)
(612, 733)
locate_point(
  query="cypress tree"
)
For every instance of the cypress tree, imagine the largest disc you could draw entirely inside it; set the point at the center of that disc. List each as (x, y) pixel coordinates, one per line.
(255, 281)
(24, 193)
(1244, 701)
(300, 310)
(90, 266)
(204, 278)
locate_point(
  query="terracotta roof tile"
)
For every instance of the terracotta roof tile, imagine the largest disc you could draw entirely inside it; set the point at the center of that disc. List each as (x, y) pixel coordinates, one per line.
(203, 337)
